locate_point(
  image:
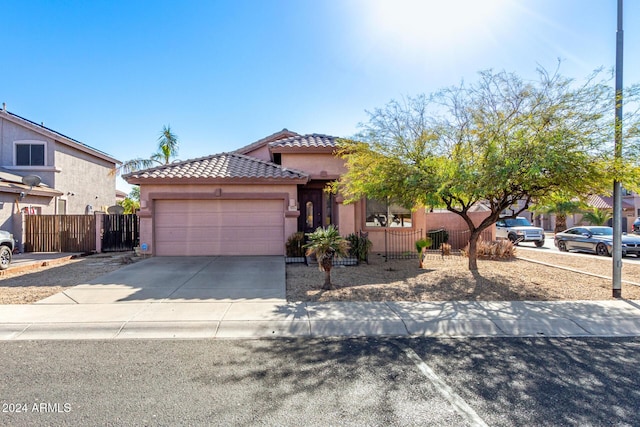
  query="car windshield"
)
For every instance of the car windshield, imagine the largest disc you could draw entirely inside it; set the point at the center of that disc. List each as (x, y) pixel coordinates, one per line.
(517, 222)
(601, 231)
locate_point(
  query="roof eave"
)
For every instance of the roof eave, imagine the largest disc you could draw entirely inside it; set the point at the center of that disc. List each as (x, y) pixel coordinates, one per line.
(303, 150)
(216, 181)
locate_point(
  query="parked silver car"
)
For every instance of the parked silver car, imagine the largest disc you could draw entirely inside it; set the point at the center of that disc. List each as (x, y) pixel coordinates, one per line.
(595, 239)
(6, 249)
(519, 230)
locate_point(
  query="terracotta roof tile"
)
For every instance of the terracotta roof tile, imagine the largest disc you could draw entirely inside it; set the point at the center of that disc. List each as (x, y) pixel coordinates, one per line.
(284, 133)
(606, 202)
(306, 141)
(219, 166)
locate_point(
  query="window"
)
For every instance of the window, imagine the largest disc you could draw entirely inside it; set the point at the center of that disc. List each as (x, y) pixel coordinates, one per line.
(382, 214)
(29, 154)
(62, 207)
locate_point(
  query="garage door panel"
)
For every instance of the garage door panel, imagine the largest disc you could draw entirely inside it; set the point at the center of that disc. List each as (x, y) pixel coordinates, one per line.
(219, 227)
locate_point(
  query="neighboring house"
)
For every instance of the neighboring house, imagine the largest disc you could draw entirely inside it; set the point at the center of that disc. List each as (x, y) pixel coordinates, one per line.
(120, 196)
(75, 178)
(248, 202)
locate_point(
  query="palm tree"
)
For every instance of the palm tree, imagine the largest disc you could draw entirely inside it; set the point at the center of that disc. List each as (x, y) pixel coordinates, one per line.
(561, 209)
(597, 216)
(325, 243)
(167, 149)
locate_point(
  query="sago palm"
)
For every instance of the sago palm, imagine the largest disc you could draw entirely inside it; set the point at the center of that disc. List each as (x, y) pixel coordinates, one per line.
(325, 244)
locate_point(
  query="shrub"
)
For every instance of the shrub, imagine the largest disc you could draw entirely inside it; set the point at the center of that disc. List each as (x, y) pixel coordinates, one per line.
(497, 249)
(421, 244)
(359, 246)
(446, 249)
(295, 245)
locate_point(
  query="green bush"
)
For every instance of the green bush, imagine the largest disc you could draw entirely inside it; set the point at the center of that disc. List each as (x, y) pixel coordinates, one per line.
(295, 245)
(359, 246)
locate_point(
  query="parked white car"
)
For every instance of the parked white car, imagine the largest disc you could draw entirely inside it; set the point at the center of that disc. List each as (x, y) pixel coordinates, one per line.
(519, 230)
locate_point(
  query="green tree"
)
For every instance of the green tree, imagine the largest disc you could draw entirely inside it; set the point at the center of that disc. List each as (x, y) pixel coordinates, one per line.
(325, 244)
(167, 150)
(597, 216)
(497, 141)
(131, 203)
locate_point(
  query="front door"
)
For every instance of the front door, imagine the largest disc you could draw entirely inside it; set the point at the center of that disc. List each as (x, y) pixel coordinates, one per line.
(310, 218)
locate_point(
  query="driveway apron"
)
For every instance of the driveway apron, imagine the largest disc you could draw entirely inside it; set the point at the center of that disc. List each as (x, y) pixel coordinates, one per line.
(185, 279)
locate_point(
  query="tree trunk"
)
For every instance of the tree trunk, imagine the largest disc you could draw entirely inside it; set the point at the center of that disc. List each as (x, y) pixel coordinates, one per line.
(327, 263)
(561, 223)
(473, 250)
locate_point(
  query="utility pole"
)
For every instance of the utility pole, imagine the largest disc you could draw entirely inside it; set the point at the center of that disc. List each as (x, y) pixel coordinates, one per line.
(617, 187)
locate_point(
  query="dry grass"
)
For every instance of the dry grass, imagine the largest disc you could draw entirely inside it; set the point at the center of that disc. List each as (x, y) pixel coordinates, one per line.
(448, 278)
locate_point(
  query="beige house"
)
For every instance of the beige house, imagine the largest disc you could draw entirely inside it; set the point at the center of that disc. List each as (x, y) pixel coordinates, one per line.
(248, 202)
(74, 177)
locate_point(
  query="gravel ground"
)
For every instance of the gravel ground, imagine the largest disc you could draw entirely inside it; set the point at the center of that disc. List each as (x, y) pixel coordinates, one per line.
(448, 278)
(442, 279)
(33, 285)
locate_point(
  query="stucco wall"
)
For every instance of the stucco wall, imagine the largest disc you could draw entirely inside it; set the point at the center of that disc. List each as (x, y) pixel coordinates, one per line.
(83, 178)
(87, 178)
(314, 164)
(9, 134)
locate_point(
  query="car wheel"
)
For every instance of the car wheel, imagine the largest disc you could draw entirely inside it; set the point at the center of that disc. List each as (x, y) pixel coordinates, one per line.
(513, 238)
(601, 249)
(5, 257)
(540, 244)
(562, 246)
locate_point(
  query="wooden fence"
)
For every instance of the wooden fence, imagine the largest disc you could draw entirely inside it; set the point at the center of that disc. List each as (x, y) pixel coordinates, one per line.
(60, 233)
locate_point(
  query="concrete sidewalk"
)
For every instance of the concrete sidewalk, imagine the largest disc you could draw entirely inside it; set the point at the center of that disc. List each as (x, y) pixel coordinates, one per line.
(245, 297)
(266, 319)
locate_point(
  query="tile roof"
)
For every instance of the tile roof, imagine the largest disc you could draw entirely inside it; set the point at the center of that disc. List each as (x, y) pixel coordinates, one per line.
(284, 133)
(306, 141)
(606, 202)
(219, 166)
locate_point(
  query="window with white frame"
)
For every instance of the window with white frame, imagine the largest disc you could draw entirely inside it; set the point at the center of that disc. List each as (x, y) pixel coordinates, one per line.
(383, 214)
(30, 153)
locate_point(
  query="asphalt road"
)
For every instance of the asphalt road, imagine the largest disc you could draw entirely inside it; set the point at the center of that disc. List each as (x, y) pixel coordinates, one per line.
(453, 382)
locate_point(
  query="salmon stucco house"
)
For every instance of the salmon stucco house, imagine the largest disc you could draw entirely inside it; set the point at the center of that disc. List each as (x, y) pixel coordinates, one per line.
(248, 202)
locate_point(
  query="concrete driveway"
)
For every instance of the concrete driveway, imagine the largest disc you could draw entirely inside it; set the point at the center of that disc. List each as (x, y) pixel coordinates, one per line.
(184, 279)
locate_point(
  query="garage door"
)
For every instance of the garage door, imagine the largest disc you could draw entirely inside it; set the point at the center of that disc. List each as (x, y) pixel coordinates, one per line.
(219, 227)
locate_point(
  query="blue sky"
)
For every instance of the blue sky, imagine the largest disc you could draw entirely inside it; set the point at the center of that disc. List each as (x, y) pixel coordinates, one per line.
(224, 74)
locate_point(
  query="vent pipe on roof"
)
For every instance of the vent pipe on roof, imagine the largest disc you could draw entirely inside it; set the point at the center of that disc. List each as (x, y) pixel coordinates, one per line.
(4, 107)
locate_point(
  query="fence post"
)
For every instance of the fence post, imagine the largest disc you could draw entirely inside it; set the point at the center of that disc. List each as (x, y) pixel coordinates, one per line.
(99, 224)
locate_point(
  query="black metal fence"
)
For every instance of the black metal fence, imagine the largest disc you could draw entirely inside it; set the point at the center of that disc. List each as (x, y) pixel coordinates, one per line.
(401, 244)
(120, 232)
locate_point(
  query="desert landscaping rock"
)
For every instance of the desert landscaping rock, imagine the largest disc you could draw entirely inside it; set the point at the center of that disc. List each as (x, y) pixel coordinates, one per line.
(448, 279)
(442, 279)
(26, 287)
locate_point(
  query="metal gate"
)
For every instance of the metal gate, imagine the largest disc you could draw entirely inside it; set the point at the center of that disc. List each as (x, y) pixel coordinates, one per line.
(120, 232)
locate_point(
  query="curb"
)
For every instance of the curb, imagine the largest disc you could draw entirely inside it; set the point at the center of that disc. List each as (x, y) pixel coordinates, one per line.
(37, 264)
